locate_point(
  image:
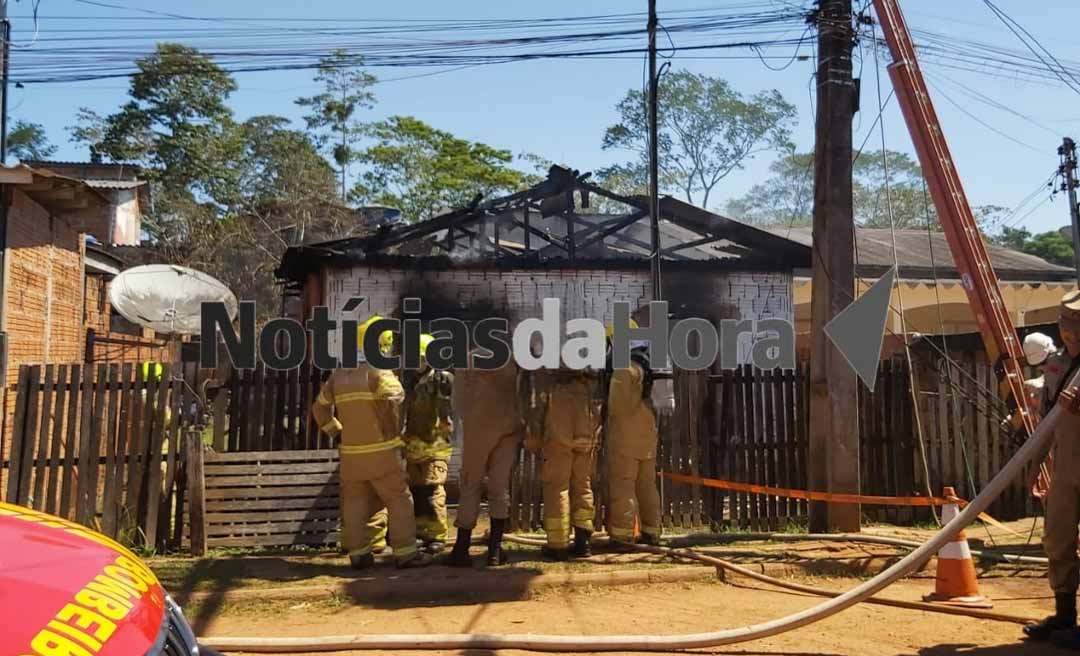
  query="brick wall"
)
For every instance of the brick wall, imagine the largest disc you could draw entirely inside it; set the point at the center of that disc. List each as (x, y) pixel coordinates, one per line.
(98, 317)
(43, 297)
(584, 293)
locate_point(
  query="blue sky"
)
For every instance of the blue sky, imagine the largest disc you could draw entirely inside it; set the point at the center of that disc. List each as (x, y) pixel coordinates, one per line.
(559, 108)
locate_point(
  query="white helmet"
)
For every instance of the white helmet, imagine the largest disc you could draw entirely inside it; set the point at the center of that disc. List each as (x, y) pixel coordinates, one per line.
(1038, 347)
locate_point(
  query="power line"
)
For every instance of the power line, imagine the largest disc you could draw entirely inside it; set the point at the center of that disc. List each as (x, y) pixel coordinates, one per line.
(1009, 22)
(983, 123)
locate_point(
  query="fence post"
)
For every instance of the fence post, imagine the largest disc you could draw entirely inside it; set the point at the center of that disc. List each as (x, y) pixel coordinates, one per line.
(196, 492)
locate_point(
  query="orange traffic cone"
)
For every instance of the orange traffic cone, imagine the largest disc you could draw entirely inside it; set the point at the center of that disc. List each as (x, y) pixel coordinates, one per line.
(957, 584)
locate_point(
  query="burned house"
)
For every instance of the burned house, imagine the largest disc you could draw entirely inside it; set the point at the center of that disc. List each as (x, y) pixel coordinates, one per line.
(502, 257)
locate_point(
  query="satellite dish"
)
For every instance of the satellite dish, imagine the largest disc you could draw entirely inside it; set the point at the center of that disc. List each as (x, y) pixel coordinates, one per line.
(168, 298)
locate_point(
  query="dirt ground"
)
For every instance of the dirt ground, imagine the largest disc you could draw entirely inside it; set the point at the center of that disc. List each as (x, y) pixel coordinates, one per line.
(227, 596)
(675, 608)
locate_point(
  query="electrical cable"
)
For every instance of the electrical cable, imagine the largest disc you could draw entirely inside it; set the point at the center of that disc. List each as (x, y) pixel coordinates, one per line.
(1009, 22)
(914, 393)
(983, 123)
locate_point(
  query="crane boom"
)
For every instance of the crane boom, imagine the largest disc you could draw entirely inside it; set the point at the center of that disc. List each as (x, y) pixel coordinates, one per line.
(977, 276)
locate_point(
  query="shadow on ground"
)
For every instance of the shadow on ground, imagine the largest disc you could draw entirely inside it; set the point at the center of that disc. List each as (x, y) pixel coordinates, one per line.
(1017, 649)
(206, 585)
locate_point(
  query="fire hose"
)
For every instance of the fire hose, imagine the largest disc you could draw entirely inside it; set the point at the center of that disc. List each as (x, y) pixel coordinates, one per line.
(1031, 450)
(688, 554)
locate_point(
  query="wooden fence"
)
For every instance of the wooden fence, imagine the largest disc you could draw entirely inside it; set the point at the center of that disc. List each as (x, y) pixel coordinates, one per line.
(99, 445)
(750, 426)
(265, 409)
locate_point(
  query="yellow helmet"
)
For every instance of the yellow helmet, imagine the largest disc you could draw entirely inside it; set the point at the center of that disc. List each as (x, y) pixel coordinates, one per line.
(610, 331)
(425, 340)
(362, 330)
(386, 342)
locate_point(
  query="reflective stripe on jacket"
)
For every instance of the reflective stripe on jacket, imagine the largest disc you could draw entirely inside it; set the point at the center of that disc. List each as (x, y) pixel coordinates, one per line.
(362, 405)
(428, 423)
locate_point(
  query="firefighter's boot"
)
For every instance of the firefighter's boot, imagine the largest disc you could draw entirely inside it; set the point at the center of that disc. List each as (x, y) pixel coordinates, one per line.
(421, 559)
(1063, 619)
(551, 553)
(1068, 639)
(581, 547)
(459, 556)
(362, 561)
(495, 554)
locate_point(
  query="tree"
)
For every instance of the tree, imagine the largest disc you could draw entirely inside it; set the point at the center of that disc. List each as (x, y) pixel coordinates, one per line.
(27, 142)
(706, 131)
(280, 164)
(1014, 238)
(905, 191)
(422, 170)
(177, 126)
(331, 113)
(286, 194)
(1051, 246)
(787, 196)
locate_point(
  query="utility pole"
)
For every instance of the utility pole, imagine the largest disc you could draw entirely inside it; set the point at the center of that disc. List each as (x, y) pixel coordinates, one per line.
(834, 430)
(5, 25)
(654, 157)
(1067, 151)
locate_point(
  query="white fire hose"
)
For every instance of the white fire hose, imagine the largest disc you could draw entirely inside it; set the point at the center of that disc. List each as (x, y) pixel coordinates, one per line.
(562, 643)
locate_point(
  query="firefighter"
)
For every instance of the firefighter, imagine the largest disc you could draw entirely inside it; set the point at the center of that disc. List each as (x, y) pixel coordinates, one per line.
(488, 404)
(1037, 350)
(1063, 500)
(377, 525)
(630, 445)
(428, 430)
(361, 407)
(570, 412)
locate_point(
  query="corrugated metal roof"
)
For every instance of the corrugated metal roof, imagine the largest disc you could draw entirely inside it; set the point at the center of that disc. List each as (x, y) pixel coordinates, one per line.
(113, 184)
(920, 251)
(56, 162)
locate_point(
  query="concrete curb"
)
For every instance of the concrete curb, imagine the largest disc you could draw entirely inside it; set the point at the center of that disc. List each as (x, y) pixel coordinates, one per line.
(506, 584)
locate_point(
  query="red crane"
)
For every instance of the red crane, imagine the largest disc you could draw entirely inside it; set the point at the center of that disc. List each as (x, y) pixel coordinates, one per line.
(957, 220)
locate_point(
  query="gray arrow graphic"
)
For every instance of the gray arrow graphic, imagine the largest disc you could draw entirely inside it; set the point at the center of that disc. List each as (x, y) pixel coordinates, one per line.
(859, 329)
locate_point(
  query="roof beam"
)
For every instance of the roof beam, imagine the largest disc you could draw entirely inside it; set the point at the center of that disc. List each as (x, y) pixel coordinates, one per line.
(539, 233)
(692, 244)
(617, 226)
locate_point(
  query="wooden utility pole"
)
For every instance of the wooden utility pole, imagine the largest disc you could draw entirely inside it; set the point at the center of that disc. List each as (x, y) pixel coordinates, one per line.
(5, 25)
(654, 156)
(834, 431)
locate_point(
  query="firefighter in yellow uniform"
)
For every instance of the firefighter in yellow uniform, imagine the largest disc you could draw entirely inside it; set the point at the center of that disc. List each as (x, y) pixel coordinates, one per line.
(1063, 500)
(630, 446)
(360, 406)
(428, 430)
(568, 442)
(377, 525)
(488, 404)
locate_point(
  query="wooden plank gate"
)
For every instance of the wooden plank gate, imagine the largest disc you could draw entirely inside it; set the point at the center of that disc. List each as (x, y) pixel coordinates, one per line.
(267, 498)
(99, 445)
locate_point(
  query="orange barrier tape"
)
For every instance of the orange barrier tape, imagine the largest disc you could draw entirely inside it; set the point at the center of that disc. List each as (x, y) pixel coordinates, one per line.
(808, 495)
(833, 497)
